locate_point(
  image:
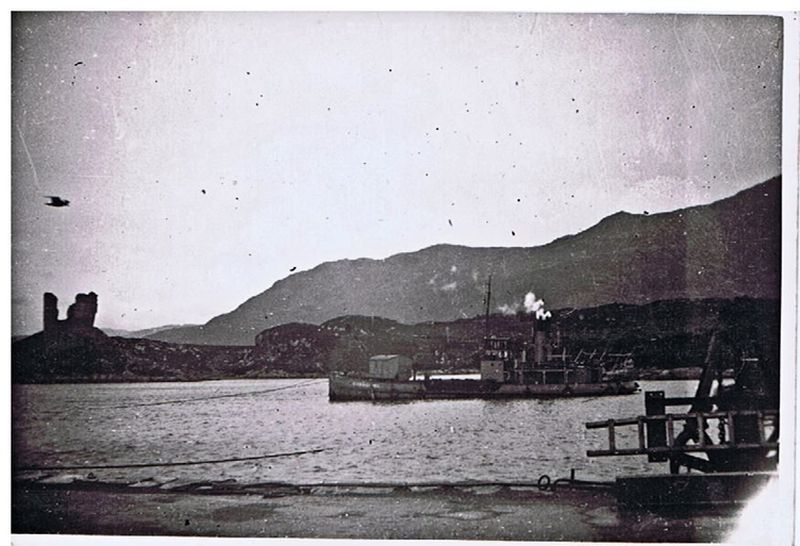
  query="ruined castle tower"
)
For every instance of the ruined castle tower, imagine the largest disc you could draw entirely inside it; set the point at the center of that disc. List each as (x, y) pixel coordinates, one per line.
(80, 315)
(50, 312)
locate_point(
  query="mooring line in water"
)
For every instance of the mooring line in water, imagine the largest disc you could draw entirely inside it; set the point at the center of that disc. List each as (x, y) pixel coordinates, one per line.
(200, 399)
(549, 486)
(176, 463)
(231, 486)
(544, 483)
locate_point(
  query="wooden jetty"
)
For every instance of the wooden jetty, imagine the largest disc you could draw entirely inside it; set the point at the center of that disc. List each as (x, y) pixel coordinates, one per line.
(733, 463)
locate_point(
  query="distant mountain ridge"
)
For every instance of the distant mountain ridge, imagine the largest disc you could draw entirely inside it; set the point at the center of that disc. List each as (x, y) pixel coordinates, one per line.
(729, 248)
(137, 334)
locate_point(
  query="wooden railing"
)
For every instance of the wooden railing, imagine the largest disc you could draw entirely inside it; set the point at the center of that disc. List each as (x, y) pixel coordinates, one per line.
(656, 433)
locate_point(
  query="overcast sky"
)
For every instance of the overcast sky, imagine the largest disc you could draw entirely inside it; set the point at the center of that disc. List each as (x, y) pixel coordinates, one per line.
(207, 155)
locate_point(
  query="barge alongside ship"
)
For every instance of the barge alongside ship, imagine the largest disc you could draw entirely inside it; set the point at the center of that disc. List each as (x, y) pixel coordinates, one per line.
(509, 369)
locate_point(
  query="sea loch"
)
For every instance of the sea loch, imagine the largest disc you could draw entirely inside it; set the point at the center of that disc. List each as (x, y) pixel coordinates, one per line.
(90, 425)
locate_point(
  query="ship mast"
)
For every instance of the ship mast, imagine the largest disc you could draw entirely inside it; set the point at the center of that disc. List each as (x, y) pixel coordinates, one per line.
(488, 307)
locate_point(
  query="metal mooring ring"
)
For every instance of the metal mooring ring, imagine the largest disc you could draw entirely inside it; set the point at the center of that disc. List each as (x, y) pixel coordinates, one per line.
(544, 482)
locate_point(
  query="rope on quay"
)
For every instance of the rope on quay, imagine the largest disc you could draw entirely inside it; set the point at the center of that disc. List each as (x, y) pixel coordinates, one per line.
(175, 463)
(186, 400)
(543, 484)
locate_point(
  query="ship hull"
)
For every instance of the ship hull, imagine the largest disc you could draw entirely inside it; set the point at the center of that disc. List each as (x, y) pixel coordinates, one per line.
(341, 388)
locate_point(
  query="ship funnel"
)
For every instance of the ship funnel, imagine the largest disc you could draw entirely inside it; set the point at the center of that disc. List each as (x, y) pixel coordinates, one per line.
(541, 340)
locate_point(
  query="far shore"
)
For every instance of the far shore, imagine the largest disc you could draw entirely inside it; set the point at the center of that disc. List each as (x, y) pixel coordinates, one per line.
(683, 373)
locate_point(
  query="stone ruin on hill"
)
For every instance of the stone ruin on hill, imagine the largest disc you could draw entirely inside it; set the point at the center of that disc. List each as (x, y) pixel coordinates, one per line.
(80, 315)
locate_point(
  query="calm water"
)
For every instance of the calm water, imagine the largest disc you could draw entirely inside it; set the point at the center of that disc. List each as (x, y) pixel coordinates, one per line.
(448, 440)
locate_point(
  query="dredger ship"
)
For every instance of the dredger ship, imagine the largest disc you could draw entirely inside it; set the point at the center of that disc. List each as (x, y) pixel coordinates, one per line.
(509, 368)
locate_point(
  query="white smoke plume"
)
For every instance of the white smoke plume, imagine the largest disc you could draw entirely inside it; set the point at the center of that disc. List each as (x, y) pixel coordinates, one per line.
(530, 305)
(533, 305)
(508, 308)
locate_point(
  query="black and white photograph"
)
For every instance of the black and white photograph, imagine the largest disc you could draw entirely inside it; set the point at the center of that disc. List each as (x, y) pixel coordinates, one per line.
(433, 275)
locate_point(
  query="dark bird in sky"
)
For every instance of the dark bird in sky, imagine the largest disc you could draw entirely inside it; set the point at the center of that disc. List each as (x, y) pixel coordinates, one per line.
(56, 201)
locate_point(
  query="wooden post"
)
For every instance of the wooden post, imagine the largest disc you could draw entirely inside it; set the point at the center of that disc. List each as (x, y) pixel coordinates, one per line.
(640, 426)
(701, 430)
(612, 446)
(654, 404)
(670, 431)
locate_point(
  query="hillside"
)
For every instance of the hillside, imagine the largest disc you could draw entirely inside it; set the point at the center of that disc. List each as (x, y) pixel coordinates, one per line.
(96, 357)
(728, 249)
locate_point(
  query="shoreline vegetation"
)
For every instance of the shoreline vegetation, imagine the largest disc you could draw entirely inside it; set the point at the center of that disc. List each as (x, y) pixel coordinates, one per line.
(682, 373)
